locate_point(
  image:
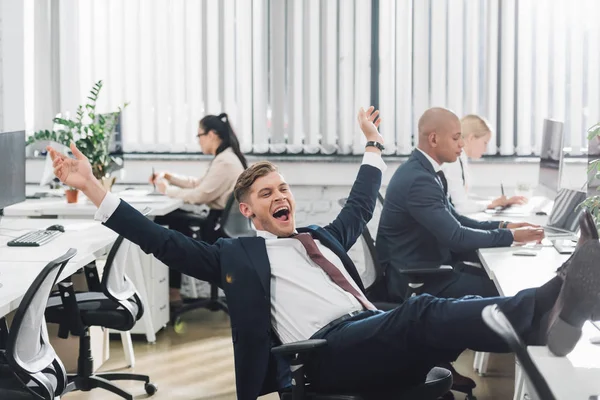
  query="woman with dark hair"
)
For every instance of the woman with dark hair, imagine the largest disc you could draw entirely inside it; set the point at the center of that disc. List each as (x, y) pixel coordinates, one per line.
(213, 189)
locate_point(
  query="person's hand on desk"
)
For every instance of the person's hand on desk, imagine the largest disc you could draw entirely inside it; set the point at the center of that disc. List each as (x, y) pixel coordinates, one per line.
(155, 178)
(504, 201)
(527, 234)
(516, 225)
(162, 185)
(77, 173)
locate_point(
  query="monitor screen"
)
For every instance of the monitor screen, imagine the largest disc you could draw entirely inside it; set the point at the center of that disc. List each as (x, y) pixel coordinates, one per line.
(115, 144)
(551, 156)
(565, 212)
(12, 168)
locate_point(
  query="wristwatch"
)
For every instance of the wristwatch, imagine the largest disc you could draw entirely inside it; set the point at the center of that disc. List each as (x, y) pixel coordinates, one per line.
(375, 144)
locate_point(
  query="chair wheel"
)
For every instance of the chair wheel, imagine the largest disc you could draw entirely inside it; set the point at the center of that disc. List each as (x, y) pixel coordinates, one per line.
(151, 388)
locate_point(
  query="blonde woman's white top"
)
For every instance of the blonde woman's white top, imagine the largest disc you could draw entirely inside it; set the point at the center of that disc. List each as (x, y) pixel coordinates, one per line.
(458, 177)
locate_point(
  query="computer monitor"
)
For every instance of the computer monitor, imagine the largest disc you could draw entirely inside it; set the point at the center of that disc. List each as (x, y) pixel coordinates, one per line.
(12, 168)
(115, 145)
(551, 157)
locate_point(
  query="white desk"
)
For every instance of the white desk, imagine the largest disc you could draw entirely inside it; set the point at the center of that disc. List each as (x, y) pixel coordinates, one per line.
(576, 376)
(58, 207)
(20, 265)
(91, 239)
(148, 274)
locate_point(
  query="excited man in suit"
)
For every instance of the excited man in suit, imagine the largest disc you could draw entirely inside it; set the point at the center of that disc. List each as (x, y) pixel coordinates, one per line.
(420, 228)
(290, 284)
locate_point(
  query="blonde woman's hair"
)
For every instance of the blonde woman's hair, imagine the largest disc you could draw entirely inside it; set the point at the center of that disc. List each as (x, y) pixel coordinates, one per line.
(475, 125)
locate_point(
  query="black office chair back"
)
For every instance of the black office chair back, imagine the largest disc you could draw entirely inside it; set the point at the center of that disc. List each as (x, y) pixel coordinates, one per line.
(233, 223)
(28, 349)
(497, 321)
(115, 283)
(373, 272)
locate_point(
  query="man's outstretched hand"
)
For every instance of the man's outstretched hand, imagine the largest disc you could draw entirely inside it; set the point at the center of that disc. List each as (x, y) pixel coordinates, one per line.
(77, 173)
(369, 124)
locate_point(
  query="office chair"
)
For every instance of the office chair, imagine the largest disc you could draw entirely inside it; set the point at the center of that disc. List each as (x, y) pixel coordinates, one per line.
(29, 367)
(416, 277)
(117, 307)
(232, 224)
(373, 279)
(436, 385)
(497, 321)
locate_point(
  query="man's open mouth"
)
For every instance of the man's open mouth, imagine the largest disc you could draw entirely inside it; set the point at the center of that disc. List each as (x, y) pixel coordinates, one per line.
(282, 213)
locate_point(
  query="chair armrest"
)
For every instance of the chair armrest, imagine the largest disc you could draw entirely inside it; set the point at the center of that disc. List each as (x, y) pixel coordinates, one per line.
(304, 346)
(442, 269)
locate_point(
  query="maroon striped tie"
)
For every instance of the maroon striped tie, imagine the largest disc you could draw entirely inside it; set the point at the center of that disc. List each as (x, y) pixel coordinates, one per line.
(334, 273)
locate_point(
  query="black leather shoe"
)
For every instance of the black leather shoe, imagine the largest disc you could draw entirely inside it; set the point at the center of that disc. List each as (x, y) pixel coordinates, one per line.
(579, 298)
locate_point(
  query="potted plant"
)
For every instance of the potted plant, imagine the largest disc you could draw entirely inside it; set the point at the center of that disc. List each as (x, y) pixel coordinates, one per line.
(592, 203)
(91, 133)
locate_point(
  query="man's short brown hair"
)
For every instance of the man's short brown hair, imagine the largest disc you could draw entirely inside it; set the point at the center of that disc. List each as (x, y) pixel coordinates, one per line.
(251, 174)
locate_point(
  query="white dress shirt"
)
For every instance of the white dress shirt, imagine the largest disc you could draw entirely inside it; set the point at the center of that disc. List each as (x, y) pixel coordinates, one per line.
(303, 297)
(436, 167)
(458, 189)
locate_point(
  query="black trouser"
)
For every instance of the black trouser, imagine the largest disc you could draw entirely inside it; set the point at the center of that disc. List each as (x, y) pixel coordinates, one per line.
(182, 221)
(397, 348)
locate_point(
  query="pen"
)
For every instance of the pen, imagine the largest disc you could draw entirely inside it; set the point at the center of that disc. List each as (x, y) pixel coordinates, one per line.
(502, 189)
(153, 179)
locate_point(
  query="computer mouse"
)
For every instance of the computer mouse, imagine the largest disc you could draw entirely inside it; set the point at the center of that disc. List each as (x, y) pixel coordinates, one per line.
(541, 213)
(56, 228)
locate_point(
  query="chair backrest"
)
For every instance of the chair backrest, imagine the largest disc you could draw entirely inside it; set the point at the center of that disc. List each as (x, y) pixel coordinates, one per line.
(28, 349)
(233, 223)
(497, 321)
(115, 283)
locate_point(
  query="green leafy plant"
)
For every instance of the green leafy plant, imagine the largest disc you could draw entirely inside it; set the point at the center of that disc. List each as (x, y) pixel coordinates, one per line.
(89, 130)
(592, 203)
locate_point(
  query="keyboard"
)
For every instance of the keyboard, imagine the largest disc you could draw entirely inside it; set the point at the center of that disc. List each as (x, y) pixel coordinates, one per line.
(34, 239)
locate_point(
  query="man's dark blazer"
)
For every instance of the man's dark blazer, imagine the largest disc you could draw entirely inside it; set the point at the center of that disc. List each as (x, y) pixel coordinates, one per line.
(241, 268)
(419, 226)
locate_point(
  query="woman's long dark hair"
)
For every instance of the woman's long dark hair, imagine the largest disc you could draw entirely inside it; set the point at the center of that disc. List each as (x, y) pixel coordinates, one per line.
(221, 126)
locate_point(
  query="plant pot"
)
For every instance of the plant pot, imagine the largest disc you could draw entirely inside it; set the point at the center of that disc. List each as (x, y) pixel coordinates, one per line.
(72, 195)
(108, 182)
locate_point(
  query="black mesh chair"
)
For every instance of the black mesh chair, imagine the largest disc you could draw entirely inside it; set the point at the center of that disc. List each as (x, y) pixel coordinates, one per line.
(374, 279)
(29, 367)
(436, 385)
(497, 321)
(232, 224)
(112, 303)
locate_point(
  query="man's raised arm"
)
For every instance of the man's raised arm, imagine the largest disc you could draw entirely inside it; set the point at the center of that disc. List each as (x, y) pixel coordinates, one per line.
(176, 250)
(359, 207)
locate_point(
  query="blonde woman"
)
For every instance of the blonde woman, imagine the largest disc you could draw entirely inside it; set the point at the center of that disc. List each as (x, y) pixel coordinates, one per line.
(476, 133)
